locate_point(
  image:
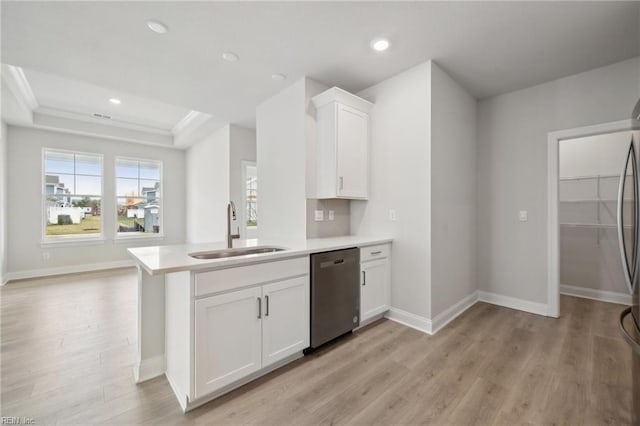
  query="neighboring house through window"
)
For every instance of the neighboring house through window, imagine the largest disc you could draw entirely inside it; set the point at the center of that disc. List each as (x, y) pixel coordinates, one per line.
(250, 178)
(72, 194)
(139, 200)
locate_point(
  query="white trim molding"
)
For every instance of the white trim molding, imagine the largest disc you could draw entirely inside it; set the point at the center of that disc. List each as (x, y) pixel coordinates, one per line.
(451, 313)
(72, 269)
(410, 320)
(17, 82)
(514, 303)
(553, 232)
(150, 368)
(596, 294)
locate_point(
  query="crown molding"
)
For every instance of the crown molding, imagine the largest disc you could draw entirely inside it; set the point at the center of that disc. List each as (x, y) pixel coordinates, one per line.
(72, 115)
(191, 127)
(18, 84)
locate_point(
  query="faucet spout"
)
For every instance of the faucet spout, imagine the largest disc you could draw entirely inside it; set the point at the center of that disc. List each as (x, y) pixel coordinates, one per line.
(231, 215)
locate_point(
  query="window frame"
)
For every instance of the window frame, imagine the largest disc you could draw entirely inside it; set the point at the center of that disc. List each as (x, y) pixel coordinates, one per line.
(123, 236)
(71, 239)
(247, 230)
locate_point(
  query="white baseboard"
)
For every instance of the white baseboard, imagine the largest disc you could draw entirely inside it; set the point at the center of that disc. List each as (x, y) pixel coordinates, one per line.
(513, 303)
(183, 400)
(410, 320)
(149, 368)
(72, 269)
(601, 295)
(453, 311)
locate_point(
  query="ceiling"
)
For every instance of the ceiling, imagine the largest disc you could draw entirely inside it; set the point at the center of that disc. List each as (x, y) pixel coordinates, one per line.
(488, 47)
(68, 95)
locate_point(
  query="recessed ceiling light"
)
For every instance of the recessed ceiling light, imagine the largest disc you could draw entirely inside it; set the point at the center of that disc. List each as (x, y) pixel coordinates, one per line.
(230, 56)
(380, 44)
(115, 101)
(157, 27)
(278, 77)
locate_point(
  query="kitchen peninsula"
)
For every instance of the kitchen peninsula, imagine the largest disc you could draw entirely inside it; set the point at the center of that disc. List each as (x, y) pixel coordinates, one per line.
(211, 325)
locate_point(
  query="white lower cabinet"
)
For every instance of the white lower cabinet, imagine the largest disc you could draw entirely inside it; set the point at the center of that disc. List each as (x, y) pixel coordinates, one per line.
(375, 283)
(240, 332)
(285, 325)
(228, 336)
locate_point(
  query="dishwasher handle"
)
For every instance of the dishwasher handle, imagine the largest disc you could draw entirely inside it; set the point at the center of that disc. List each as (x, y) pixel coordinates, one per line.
(336, 262)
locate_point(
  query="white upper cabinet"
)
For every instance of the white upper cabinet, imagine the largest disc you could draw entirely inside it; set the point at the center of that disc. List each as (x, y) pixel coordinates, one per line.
(342, 146)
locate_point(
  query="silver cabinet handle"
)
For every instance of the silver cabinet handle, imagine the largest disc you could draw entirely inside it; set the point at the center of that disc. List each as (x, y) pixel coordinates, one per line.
(634, 345)
(364, 278)
(259, 307)
(374, 253)
(267, 300)
(341, 182)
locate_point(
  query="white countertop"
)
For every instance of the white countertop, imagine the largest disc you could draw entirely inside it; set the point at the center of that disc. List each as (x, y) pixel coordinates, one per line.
(175, 258)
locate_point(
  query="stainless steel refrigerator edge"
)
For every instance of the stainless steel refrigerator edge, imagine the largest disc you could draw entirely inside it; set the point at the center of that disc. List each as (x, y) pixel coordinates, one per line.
(335, 294)
(629, 252)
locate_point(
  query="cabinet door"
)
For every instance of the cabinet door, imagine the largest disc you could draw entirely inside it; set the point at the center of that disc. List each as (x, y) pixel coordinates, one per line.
(228, 332)
(374, 288)
(352, 152)
(285, 326)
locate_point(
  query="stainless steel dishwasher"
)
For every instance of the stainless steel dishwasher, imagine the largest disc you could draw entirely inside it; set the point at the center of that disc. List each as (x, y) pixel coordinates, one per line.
(335, 294)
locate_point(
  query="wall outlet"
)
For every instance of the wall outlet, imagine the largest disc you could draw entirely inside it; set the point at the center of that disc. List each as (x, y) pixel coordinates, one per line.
(319, 216)
(332, 215)
(46, 255)
(523, 216)
(392, 215)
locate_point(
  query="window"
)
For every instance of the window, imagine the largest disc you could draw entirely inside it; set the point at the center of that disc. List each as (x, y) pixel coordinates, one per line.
(251, 201)
(72, 194)
(138, 191)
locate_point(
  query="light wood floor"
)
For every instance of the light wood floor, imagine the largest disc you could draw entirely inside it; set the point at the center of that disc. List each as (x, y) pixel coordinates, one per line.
(68, 348)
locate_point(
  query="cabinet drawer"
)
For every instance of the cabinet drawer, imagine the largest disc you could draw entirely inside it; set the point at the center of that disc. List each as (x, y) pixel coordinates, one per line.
(232, 278)
(374, 252)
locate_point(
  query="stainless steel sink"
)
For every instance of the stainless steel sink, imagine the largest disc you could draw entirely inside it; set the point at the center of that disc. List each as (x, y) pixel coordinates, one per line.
(242, 251)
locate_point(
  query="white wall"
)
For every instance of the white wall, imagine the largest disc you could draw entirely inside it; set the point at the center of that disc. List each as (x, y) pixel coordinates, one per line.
(283, 129)
(3, 203)
(400, 180)
(512, 168)
(243, 148)
(25, 202)
(453, 193)
(207, 188)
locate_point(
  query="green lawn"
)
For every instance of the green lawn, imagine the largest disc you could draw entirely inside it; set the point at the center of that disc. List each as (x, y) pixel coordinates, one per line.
(128, 221)
(88, 225)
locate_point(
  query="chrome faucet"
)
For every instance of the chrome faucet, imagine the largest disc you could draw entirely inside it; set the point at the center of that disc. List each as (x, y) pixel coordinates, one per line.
(231, 213)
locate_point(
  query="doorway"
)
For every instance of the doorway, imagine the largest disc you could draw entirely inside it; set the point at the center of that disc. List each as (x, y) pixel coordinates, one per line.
(582, 205)
(249, 213)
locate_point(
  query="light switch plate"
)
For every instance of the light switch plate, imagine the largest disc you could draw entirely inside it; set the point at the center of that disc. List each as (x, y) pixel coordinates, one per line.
(319, 216)
(523, 215)
(332, 215)
(392, 215)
